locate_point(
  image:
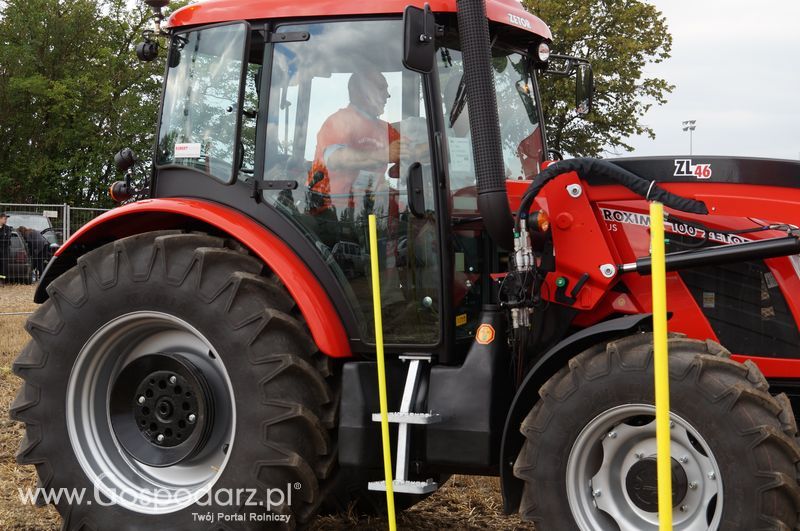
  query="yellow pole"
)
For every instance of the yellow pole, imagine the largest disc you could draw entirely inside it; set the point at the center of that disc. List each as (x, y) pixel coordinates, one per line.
(661, 365)
(376, 304)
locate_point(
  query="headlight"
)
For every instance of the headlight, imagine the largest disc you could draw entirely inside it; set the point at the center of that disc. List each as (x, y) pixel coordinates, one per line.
(543, 52)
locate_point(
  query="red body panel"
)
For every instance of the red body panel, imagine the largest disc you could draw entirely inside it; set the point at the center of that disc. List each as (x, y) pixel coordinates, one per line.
(507, 12)
(627, 238)
(321, 317)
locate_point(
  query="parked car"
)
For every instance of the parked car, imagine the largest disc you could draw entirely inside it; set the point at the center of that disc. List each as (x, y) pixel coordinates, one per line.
(351, 258)
(18, 268)
(35, 221)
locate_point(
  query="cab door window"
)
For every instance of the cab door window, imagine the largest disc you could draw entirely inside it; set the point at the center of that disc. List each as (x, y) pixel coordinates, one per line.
(346, 123)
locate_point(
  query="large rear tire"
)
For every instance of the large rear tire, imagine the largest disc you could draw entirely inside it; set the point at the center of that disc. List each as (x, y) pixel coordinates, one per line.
(589, 457)
(172, 380)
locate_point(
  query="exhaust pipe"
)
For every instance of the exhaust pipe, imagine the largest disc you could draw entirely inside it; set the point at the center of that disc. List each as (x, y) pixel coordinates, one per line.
(484, 122)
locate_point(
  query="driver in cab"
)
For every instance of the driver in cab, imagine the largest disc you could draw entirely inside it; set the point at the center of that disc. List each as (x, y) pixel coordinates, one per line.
(354, 146)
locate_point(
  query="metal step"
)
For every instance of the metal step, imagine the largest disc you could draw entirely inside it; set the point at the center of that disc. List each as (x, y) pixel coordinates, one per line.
(406, 487)
(409, 418)
(404, 419)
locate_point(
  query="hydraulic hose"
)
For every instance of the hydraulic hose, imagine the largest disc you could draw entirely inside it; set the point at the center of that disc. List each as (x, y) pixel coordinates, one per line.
(484, 122)
(589, 168)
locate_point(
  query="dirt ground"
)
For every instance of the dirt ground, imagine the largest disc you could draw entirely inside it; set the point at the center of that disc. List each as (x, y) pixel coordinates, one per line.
(464, 502)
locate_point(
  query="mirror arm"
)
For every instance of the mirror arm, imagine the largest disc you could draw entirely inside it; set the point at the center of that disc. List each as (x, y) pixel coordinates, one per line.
(572, 64)
(426, 36)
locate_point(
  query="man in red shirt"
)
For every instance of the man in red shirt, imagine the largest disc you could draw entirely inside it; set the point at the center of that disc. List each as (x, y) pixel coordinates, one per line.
(349, 178)
(354, 146)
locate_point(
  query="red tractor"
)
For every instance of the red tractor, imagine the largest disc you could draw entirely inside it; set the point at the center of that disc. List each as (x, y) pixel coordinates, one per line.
(204, 355)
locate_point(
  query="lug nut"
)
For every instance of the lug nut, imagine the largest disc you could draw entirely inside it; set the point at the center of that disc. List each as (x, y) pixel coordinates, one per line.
(693, 485)
(173, 380)
(684, 508)
(612, 435)
(141, 399)
(160, 437)
(639, 455)
(683, 459)
(192, 417)
(712, 475)
(596, 493)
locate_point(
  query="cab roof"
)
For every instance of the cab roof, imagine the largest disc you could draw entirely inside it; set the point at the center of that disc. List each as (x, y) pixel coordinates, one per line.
(508, 12)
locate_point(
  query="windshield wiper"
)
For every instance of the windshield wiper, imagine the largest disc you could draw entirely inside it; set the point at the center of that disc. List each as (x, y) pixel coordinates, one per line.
(458, 102)
(461, 94)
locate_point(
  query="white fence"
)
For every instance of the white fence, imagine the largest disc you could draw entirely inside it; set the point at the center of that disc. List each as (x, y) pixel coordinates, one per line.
(64, 219)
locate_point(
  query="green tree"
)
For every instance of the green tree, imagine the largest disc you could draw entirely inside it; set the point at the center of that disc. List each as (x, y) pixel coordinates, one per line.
(620, 38)
(72, 93)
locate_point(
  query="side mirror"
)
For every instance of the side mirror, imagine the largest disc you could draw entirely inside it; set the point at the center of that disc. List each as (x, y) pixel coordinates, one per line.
(419, 49)
(121, 191)
(148, 50)
(584, 88)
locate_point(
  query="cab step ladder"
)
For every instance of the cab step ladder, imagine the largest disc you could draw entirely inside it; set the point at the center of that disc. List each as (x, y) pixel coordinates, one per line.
(405, 418)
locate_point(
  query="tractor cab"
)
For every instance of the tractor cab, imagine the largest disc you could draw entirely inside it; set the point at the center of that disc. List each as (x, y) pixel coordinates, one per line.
(321, 123)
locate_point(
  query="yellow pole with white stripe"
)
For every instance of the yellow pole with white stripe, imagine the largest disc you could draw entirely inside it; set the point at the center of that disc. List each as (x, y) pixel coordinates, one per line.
(376, 304)
(661, 365)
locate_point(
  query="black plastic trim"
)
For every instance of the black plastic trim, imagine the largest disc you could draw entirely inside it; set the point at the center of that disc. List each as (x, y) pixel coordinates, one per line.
(734, 170)
(472, 400)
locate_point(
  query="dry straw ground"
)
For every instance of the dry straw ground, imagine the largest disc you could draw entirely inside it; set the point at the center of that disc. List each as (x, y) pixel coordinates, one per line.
(463, 503)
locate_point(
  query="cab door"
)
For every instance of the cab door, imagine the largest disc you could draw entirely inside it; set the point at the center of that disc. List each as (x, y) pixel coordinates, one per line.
(346, 132)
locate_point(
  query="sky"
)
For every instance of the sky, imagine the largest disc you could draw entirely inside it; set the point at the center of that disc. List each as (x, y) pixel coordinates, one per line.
(736, 69)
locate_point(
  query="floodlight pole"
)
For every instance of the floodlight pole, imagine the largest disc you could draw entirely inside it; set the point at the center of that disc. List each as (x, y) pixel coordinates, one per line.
(690, 125)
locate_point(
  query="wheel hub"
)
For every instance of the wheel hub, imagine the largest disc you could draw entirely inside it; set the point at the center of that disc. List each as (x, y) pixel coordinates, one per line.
(161, 409)
(641, 482)
(109, 378)
(612, 473)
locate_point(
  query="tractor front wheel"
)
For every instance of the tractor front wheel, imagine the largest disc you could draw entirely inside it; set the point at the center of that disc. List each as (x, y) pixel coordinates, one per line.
(172, 384)
(589, 460)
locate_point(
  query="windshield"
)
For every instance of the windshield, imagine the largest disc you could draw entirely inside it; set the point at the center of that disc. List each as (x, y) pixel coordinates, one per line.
(517, 110)
(201, 101)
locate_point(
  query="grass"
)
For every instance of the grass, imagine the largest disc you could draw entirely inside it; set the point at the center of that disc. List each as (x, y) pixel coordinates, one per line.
(13, 513)
(464, 502)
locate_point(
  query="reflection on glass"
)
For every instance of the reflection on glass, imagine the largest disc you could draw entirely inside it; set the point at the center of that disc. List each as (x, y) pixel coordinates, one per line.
(198, 127)
(346, 121)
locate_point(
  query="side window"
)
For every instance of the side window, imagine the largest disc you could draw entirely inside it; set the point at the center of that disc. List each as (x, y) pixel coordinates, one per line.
(247, 146)
(346, 123)
(518, 117)
(198, 124)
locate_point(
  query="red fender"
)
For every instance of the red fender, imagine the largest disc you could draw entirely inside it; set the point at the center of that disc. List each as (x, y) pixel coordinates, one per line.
(158, 214)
